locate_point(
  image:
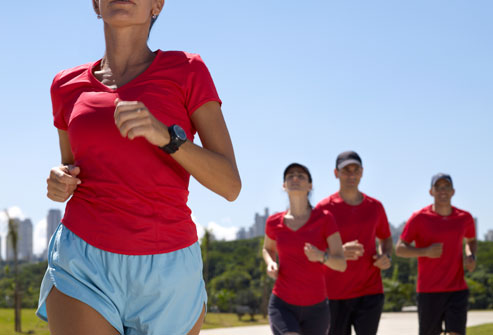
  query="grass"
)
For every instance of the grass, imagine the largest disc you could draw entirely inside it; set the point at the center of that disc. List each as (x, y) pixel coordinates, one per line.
(223, 320)
(486, 329)
(31, 324)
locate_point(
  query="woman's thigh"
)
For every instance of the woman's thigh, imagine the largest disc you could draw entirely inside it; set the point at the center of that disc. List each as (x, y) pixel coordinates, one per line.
(70, 316)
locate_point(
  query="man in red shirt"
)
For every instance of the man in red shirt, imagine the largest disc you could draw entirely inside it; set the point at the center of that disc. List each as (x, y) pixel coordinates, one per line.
(438, 232)
(356, 295)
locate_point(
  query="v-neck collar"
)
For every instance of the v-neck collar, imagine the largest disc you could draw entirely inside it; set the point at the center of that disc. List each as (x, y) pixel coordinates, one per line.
(105, 88)
(297, 230)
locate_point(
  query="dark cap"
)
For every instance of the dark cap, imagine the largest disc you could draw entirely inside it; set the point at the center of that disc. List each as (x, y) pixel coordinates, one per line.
(439, 176)
(347, 157)
(298, 165)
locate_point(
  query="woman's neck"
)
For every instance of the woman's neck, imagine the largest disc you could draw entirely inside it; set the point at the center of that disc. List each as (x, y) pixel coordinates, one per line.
(126, 49)
(299, 206)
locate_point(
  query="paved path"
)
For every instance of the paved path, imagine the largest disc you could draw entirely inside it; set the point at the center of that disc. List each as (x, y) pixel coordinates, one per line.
(390, 324)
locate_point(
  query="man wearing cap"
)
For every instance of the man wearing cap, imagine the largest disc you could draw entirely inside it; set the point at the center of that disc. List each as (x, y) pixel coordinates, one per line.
(356, 295)
(438, 231)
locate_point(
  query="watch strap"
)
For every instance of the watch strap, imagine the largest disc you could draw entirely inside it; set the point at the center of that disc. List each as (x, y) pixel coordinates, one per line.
(174, 141)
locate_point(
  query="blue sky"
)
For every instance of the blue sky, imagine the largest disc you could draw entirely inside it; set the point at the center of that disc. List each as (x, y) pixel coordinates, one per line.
(407, 84)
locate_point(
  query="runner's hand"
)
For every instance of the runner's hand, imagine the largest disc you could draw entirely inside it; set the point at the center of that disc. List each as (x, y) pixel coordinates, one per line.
(353, 250)
(435, 250)
(470, 263)
(382, 261)
(313, 253)
(272, 270)
(62, 182)
(133, 119)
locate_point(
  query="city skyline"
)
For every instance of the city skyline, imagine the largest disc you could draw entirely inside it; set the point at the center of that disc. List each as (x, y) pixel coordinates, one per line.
(45, 228)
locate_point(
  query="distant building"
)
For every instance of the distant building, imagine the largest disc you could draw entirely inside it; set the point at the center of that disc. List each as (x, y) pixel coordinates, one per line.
(256, 229)
(24, 241)
(52, 220)
(476, 226)
(396, 231)
(489, 236)
(241, 234)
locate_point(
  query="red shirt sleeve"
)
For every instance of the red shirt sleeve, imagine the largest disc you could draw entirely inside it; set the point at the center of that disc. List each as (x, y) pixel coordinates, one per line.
(57, 103)
(470, 229)
(270, 230)
(383, 229)
(200, 87)
(330, 226)
(408, 234)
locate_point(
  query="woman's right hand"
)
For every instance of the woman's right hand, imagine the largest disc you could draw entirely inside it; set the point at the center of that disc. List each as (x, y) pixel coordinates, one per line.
(272, 270)
(62, 182)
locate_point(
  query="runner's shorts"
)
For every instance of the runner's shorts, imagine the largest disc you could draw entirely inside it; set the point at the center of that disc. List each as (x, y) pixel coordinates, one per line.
(150, 294)
(306, 320)
(363, 313)
(442, 307)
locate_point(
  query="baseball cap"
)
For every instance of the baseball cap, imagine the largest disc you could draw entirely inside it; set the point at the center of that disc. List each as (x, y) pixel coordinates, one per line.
(298, 165)
(439, 176)
(347, 157)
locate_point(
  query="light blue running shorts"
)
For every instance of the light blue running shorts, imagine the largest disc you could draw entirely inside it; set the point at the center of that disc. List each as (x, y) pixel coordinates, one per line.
(159, 294)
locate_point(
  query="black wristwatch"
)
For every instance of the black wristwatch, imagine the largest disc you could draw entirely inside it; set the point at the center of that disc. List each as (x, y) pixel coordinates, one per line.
(177, 137)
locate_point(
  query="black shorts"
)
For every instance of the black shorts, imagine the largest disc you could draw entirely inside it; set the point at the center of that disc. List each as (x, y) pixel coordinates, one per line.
(436, 308)
(305, 320)
(363, 313)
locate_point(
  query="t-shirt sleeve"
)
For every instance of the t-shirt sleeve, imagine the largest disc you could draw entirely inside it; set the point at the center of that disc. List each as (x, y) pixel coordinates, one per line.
(200, 86)
(330, 224)
(408, 234)
(270, 230)
(57, 104)
(470, 231)
(383, 229)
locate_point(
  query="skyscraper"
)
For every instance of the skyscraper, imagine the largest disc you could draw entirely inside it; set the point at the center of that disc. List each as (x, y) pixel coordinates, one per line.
(24, 241)
(52, 220)
(489, 235)
(256, 229)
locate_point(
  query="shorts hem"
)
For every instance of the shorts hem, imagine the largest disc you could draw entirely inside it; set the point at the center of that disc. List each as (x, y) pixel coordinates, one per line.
(70, 293)
(203, 305)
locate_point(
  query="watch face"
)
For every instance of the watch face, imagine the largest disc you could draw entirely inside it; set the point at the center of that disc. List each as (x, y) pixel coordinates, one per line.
(180, 133)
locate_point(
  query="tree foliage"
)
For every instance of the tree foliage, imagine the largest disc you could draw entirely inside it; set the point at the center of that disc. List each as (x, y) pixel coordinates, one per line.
(237, 281)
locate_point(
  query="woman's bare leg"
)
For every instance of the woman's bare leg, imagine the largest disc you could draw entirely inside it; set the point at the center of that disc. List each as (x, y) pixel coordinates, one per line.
(67, 315)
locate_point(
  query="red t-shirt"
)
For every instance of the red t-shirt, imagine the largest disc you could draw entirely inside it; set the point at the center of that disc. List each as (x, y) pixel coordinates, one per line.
(300, 282)
(364, 222)
(426, 227)
(133, 196)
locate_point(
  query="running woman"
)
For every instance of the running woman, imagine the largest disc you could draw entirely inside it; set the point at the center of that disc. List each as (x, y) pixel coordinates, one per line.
(356, 295)
(125, 258)
(438, 232)
(305, 241)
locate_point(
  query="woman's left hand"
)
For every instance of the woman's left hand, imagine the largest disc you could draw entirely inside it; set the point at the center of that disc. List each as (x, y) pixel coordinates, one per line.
(313, 253)
(133, 119)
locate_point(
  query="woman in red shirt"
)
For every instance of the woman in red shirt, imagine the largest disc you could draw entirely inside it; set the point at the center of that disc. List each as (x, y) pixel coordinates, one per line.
(305, 240)
(125, 259)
